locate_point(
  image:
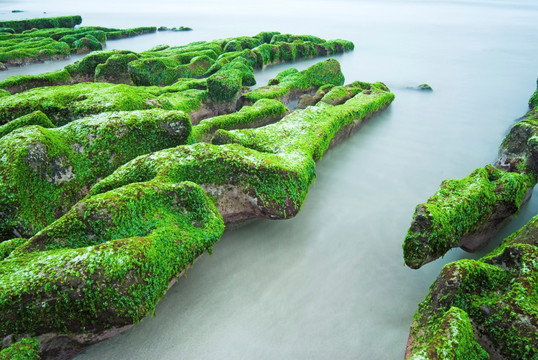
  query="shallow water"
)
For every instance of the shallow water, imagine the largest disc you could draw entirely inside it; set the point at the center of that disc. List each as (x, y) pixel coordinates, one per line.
(331, 282)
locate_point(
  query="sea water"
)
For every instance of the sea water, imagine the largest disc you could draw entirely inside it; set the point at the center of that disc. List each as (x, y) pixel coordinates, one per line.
(330, 283)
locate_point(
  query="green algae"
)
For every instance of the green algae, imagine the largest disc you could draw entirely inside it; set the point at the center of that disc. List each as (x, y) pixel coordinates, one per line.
(35, 118)
(25, 349)
(292, 80)
(278, 185)
(308, 132)
(87, 44)
(263, 112)
(164, 65)
(145, 235)
(44, 172)
(454, 339)
(37, 49)
(499, 294)
(460, 208)
(42, 23)
(38, 45)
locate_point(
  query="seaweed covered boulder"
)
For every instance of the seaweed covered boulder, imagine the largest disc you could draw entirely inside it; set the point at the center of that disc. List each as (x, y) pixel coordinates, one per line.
(243, 183)
(34, 118)
(104, 265)
(466, 212)
(495, 299)
(164, 65)
(263, 112)
(44, 171)
(290, 84)
(42, 23)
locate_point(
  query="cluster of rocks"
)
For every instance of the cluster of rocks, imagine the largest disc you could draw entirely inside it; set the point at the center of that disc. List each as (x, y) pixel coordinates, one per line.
(486, 308)
(110, 190)
(37, 40)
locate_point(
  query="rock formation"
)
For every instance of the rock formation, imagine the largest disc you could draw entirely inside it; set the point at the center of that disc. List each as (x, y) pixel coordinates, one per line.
(108, 192)
(480, 309)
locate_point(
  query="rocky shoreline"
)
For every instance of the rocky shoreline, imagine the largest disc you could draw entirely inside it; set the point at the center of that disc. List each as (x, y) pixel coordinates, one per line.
(110, 190)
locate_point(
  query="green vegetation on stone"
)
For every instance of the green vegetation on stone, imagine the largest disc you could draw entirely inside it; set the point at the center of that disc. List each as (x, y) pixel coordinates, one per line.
(119, 252)
(43, 172)
(459, 208)
(293, 82)
(263, 112)
(499, 294)
(42, 23)
(26, 349)
(35, 118)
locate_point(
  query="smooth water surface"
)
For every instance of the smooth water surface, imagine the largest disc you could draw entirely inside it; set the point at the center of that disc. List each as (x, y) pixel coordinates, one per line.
(331, 282)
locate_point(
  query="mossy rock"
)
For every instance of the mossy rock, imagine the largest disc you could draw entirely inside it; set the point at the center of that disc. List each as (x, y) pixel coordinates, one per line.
(63, 104)
(466, 212)
(262, 113)
(119, 253)
(292, 83)
(115, 69)
(243, 183)
(309, 132)
(87, 44)
(497, 292)
(35, 118)
(32, 50)
(44, 172)
(19, 83)
(42, 23)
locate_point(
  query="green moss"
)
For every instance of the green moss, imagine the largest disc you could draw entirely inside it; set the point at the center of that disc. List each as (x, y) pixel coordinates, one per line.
(459, 208)
(291, 80)
(36, 49)
(26, 349)
(115, 69)
(7, 247)
(454, 339)
(498, 292)
(63, 104)
(43, 172)
(35, 118)
(87, 44)
(308, 132)
(19, 83)
(225, 84)
(145, 235)
(263, 112)
(42, 23)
